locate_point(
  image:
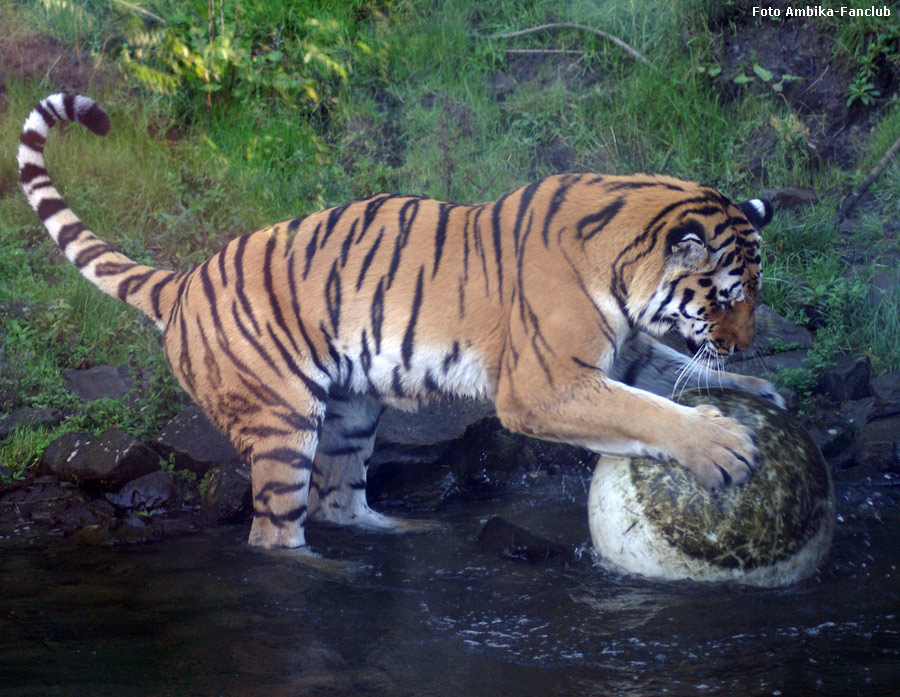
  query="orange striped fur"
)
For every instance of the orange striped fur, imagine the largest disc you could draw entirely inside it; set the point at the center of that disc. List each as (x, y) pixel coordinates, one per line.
(293, 337)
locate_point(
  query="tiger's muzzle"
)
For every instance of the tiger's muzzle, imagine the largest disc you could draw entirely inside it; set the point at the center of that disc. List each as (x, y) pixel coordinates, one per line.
(735, 330)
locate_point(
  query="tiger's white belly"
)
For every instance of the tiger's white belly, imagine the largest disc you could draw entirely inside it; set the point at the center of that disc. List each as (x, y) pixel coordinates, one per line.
(429, 375)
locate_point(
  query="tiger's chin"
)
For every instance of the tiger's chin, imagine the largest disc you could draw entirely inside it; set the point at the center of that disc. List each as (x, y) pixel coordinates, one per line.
(707, 349)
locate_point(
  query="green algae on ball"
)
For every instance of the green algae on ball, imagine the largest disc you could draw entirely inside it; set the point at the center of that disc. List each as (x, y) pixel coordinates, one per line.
(655, 519)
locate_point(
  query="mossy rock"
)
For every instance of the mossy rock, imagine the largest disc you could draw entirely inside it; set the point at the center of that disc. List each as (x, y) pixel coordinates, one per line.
(655, 519)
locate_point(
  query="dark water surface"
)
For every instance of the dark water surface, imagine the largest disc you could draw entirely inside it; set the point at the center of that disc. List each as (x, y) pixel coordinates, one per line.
(432, 615)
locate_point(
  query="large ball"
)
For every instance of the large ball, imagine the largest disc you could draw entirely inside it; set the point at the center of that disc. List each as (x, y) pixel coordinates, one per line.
(655, 519)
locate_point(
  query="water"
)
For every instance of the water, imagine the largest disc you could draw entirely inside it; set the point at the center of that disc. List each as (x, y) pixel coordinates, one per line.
(431, 615)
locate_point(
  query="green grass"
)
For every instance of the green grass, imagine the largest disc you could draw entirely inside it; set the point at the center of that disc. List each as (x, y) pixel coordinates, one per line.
(291, 107)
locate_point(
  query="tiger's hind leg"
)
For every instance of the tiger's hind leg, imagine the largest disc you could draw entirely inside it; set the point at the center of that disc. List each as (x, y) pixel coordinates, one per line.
(281, 465)
(338, 489)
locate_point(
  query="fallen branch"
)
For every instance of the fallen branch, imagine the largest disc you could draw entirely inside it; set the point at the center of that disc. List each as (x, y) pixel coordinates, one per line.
(544, 51)
(864, 185)
(569, 25)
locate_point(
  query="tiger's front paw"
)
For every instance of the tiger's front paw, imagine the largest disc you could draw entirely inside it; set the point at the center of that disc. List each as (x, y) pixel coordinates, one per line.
(721, 451)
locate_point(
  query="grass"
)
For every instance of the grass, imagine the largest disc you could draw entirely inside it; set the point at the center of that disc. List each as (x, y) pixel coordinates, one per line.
(285, 111)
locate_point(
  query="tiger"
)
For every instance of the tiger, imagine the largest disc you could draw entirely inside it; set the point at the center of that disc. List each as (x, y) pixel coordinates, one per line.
(546, 301)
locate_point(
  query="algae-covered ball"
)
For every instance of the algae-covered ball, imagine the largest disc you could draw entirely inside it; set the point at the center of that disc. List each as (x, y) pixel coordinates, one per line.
(655, 519)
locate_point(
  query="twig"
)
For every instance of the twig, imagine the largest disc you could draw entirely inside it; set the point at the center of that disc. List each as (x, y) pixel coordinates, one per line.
(19, 503)
(141, 10)
(815, 82)
(47, 74)
(544, 51)
(853, 198)
(569, 25)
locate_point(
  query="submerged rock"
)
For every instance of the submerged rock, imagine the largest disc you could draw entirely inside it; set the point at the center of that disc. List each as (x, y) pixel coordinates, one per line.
(485, 459)
(56, 504)
(133, 530)
(501, 537)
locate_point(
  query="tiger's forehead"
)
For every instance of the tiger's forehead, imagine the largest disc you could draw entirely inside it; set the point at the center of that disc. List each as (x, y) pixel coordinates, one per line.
(734, 246)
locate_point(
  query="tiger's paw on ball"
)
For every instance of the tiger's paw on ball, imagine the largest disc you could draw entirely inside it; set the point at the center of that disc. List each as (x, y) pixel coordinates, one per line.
(655, 519)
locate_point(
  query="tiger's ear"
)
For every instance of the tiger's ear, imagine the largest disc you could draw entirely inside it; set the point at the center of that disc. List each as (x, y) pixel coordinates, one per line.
(758, 211)
(686, 246)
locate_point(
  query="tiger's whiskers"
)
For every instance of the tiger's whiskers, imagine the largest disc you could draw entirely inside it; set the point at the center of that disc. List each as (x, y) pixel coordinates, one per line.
(699, 365)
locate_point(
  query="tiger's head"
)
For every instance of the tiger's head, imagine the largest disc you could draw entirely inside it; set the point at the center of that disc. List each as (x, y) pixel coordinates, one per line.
(710, 273)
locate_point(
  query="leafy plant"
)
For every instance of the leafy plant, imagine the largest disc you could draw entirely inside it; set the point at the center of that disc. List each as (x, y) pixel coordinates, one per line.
(871, 50)
(765, 76)
(224, 63)
(862, 90)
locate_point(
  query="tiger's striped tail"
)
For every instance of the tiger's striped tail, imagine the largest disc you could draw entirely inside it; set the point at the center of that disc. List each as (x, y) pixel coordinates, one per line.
(144, 287)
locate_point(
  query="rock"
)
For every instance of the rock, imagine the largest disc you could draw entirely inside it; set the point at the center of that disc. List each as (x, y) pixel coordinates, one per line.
(117, 533)
(878, 445)
(512, 542)
(558, 156)
(478, 464)
(770, 365)
(500, 86)
(54, 503)
(29, 417)
(774, 332)
(790, 197)
(60, 450)
(783, 343)
(848, 378)
(437, 422)
(108, 461)
(111, 381)
(484, 459)
(225, 493)
(836, 432)
(409, 483)
(191, 442)
(135, 530)
(75, 517)
(886, 391)
(885, 286)
(835, 441)
(155, 490)
(422, 435)
(856, 413)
